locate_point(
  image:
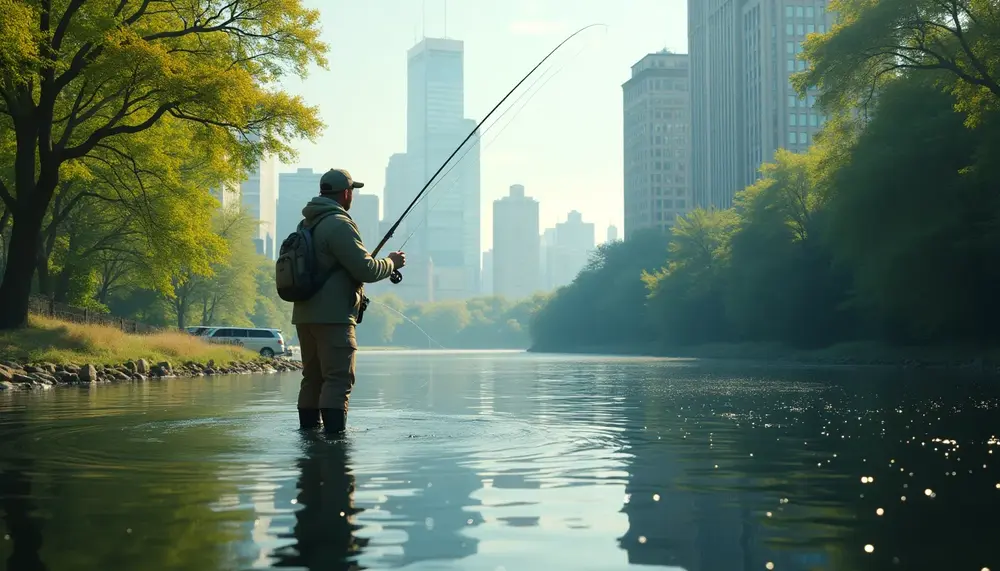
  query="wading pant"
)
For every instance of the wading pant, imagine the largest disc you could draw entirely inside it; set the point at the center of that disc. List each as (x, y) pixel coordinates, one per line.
(327, 365)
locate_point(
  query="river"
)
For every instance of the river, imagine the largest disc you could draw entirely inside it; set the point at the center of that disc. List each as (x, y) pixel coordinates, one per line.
(510, 461)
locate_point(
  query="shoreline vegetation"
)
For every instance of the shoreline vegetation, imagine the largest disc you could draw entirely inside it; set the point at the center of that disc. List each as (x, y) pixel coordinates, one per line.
(877, 243)
(51, 353)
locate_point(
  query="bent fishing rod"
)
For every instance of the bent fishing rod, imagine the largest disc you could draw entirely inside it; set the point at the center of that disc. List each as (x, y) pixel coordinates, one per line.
(396, 276)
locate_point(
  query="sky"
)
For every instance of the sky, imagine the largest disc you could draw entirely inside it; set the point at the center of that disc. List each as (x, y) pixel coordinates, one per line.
(564, 145)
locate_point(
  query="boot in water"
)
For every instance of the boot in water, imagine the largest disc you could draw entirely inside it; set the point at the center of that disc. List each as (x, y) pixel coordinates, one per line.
(334, 420)
(308, 418)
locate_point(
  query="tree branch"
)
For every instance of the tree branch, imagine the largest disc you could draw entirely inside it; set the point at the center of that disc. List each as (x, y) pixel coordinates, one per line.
(109, 131)
(8, 200)
(60, 33)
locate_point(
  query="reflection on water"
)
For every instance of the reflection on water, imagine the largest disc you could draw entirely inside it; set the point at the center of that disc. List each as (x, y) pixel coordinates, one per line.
(509, 461)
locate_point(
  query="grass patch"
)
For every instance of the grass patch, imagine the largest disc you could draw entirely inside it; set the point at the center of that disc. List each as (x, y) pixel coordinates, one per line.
(54, 341)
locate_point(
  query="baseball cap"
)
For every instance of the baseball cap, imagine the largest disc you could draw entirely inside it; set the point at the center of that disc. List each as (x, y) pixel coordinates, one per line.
(337, 180)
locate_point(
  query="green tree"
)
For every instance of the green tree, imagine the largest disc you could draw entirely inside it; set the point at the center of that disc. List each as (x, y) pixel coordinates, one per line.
(605, 305)
(916, 214)
(686, 296)
(876, 42)
(105, 71)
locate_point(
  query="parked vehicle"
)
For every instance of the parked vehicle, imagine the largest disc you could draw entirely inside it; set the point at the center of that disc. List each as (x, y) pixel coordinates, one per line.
(267, 342)
(198, 329)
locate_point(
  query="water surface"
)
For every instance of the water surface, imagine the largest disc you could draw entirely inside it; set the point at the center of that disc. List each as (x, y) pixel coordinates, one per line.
(509, 461)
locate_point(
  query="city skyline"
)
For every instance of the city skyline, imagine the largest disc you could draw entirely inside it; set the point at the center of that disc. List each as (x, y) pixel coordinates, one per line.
(570, 164)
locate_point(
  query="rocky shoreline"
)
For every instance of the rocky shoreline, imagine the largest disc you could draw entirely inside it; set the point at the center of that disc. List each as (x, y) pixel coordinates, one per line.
(29, 376)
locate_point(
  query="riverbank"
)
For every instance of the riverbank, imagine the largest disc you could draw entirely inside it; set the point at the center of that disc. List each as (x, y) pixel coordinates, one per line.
(51, 352)
(857, 354)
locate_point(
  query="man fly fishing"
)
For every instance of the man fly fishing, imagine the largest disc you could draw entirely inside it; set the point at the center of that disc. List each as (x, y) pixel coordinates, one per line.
(321, 269)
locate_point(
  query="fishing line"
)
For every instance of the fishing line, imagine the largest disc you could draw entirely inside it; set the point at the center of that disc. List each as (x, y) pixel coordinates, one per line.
(531, 92)
(479, 139)
(396, 277)
(414, 323)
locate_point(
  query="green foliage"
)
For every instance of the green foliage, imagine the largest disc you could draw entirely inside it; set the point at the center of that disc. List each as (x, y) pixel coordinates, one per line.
(478, 323)
(887, 229)
(604, 305)
(101, 92)
(875, 43)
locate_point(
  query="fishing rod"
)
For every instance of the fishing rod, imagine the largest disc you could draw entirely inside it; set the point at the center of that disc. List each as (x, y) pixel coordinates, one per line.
(531, 95)
(396, 276)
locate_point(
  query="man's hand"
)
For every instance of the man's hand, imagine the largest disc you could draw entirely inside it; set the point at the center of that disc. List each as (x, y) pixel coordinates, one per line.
(398, 259)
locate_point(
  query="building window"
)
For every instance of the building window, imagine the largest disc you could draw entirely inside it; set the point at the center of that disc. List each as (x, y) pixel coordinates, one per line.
(789, 29)
(791, 65)
(792, 101)
(811, 28)
(790, 47)
(812, 101)
(791, 137)
(803, 138)
(791, 119)
(801, 65)
(813, 120)
(798, 11)
(802, 119)
(822, 28)
(788, 11)
(801, 29)
(809, 12)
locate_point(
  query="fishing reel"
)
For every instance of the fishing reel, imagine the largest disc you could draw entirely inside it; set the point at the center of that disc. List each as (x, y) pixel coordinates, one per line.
(395, 277)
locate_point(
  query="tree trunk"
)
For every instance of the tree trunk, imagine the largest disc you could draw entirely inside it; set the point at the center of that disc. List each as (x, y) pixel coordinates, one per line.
(42, 267)
(22, 259)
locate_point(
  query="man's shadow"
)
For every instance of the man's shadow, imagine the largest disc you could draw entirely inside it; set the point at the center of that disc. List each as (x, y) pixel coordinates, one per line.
(324, 531)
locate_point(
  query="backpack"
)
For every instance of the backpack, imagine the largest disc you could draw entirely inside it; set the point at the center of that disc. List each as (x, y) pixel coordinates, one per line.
(296, 271)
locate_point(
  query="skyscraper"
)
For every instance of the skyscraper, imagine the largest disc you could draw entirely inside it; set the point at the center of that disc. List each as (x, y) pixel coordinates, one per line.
(612, 233)
(297, 189)
(743, 106)
(365, 213)
(515, 245)
(446, 223)
(487, 279)
(657, 141)
(259, 193)
(569, 249)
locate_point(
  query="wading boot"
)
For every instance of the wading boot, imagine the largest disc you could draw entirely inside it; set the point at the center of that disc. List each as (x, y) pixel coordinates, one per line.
(308, 418)
(334, 420)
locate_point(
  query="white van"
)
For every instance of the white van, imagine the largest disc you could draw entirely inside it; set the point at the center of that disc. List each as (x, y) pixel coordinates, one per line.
(267, 342)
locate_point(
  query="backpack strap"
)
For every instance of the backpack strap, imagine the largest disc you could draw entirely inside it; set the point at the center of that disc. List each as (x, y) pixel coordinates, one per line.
(336, 267)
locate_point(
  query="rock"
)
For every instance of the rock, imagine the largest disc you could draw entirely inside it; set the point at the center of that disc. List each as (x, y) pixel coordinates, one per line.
(6, 386)
(130, 367)
(31, 369)
(47, 378)
(67, 377)
(138, 377)
(21, 378)
(6, 375)
(142, 367)
(71, 369)
(211, 364)
(120, 376)
(88, 374)
(49, 367)
(165, 365)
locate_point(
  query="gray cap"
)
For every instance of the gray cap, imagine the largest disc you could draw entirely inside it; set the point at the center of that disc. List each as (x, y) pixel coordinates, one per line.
(337, 180)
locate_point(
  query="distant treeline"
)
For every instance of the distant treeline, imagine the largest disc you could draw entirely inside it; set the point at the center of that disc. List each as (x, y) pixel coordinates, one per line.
(479, 323)
(887, 229)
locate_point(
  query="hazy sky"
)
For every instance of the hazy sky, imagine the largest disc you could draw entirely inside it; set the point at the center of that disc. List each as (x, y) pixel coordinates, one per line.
(565, 146)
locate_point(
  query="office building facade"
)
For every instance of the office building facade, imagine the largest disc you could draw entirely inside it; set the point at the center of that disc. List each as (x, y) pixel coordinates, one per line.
(657, 143)
(515, 245)
(744, 108)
